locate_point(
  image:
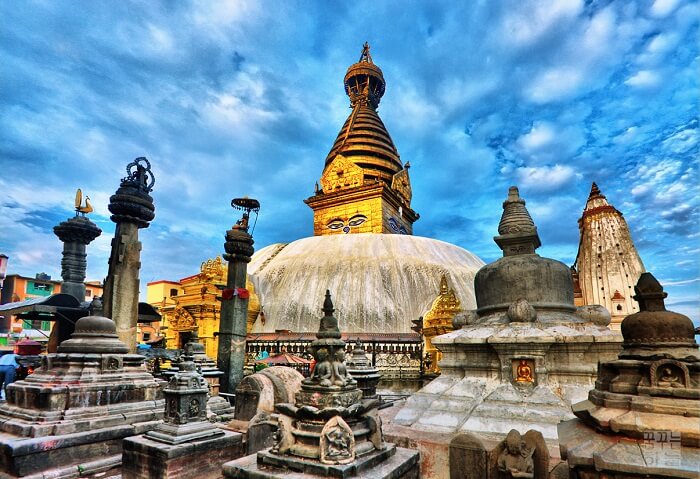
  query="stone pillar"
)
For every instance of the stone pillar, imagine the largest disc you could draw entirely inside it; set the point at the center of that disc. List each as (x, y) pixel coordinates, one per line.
(234, 306)
(132, 208)
(75, 233)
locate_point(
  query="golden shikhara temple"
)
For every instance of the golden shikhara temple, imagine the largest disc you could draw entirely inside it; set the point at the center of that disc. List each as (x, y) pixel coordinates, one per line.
(193, 304)
(438, 320)
(365, 188)
(607, 265)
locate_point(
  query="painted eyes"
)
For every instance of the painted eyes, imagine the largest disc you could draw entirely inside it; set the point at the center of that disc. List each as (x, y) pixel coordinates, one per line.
(396, 227)
(354, 221)
(357, 220)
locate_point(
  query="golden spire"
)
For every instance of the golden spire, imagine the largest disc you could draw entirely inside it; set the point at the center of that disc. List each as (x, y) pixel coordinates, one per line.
(363, 139)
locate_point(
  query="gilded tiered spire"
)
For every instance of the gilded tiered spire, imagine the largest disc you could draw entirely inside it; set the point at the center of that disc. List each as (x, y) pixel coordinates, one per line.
(363, 164)
(363, 138)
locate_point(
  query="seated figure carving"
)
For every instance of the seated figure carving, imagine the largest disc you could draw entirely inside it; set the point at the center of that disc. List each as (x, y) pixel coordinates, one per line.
(515, 461)
(670, 379)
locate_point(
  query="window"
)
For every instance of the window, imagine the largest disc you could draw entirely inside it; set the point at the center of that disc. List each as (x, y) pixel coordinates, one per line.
(88, 293)
(146, 337)
(173, 292)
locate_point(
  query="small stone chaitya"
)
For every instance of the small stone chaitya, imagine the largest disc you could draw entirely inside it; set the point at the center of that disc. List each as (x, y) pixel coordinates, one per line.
(642, 419)
(329, 430)
(524, 355)
(71, 415)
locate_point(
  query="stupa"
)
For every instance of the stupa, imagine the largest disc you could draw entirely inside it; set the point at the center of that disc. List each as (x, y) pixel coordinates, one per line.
(524, 355)
(362, 243)
(642, 419)
(330, 431)
(71, 414)
(607, 264)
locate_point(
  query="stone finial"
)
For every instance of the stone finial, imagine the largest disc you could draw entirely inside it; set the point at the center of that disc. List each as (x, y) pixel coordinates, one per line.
(654, 331)
(649, 293)
(329, 324)
(517, 232)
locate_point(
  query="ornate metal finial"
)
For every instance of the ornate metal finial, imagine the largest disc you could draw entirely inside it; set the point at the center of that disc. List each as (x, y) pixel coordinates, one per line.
(518, 234)
(364, 81)
(247, 205)
(131, 203)
(79, 209)
(365, 55)
(649, 293)
(139, 174)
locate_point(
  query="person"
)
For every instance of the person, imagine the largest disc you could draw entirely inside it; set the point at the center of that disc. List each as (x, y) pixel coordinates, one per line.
(8, 370)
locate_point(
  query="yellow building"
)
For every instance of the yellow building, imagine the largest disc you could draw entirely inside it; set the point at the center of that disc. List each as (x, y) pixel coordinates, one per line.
(365, 188)
(193, 303)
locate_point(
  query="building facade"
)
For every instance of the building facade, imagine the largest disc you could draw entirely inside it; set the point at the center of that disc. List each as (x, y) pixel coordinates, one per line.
(192, 304)
(19, 288)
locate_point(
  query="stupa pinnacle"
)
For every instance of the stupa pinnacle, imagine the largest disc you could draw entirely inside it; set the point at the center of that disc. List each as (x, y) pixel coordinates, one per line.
(365, 187)
(608, 265)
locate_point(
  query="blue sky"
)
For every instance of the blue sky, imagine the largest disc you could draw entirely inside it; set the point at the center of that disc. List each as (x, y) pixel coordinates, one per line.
(230, 98)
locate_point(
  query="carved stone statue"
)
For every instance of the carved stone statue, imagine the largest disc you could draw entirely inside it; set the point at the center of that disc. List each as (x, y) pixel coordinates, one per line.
(323, 371)
(515, 460)
(669, 378)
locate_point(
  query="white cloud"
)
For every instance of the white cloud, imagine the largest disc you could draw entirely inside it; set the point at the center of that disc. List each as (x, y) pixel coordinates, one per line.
(550, 143)
(554, 84)
(662, 8)
(682, 141)
(531, 20)
(644, 79)
(545, 178)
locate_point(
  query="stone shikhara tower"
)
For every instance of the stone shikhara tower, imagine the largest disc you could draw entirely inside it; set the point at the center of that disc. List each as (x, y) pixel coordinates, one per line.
(607, 265)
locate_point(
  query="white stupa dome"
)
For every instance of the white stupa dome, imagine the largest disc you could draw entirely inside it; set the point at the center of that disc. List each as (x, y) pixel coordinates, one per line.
(379, 282)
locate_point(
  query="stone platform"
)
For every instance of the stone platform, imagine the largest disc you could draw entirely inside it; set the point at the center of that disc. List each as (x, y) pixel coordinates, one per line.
(144, 457)
(392, 463)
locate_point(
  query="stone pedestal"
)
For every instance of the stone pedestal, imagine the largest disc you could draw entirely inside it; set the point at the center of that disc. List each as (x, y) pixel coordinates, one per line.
(144, 457)
(394, 463)
(185, 437)
(132, 208)
(68, 419)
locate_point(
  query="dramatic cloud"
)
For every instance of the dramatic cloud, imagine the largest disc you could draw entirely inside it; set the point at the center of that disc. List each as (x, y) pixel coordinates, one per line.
(236, 97)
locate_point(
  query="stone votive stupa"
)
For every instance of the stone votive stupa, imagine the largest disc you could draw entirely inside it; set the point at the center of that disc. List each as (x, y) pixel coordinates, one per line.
(642, 419)
(185, 437)
(361, 369)
(524, 355)
(218, 408)
(71, 415)
(330, 431)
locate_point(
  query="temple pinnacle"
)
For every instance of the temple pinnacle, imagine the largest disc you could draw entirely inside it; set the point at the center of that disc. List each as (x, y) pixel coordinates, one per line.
(517, 231)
